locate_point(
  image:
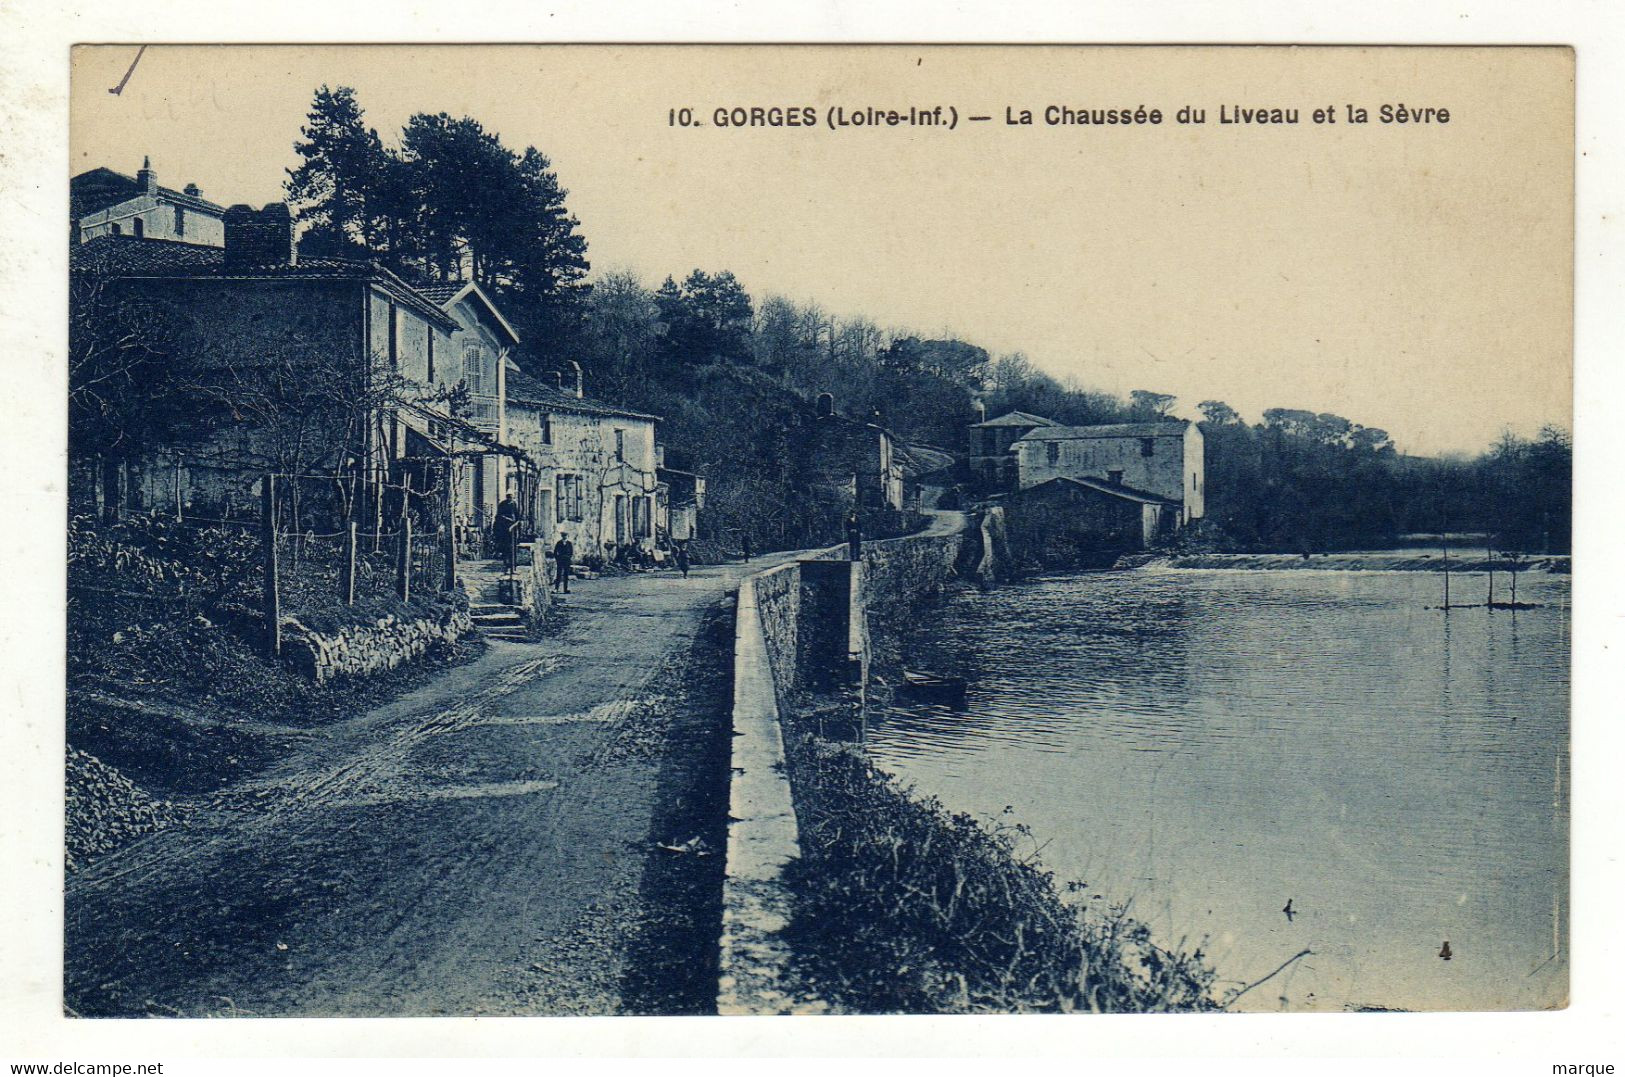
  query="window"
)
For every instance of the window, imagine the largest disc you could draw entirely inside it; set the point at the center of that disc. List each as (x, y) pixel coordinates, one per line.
(1114, 477)
(140, 228)
(474, 367)
(1053, 449)
(1148, 446)
(118, 229)
(620, 445)
(431, 355)
(570, 496)
(547, 429)
(394, 337)
(180, 221)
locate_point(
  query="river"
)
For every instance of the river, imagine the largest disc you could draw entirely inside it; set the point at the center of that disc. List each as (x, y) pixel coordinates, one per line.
(1209, 745)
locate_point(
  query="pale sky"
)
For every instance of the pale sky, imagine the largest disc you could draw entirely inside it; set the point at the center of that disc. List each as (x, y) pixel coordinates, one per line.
(1412, 277)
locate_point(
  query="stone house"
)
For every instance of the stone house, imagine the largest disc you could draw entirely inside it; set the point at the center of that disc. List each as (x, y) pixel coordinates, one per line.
(1162, 460)
(992, 466)
(103, 202)
(477, 358)
(859, 461)
(679, 499)
(1062, 518)
(317, 366)
(597, 469)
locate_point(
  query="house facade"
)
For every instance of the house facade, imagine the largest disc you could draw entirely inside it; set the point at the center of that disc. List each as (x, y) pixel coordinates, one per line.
(103, 202)
(860, 461)
(597, 469)
(306, 367)
(992, 466)
(1161, 459)
(475, 359)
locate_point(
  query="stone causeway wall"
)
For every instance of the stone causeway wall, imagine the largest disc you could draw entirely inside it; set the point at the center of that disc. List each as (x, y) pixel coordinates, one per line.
(763, 837)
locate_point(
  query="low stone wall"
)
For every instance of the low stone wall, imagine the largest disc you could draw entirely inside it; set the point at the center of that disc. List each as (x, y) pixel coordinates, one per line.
(770, 649)
(370, 646)
(753, 973)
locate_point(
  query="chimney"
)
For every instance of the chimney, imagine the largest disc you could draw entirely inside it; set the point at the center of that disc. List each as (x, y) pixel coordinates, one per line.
(826, 405)
(147, 178)
(553, 377)
(575, 368)
(260, 238)
(980, 410)
(193, 189)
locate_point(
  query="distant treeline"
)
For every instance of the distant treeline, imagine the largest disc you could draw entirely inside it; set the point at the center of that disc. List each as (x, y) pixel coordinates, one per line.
(1305, 481)
(733, 377)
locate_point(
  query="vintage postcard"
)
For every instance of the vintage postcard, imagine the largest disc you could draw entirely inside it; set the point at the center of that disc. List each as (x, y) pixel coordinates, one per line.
(823, 529)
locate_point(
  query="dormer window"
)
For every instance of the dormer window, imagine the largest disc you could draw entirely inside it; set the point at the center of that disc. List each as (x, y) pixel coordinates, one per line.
(140, 228)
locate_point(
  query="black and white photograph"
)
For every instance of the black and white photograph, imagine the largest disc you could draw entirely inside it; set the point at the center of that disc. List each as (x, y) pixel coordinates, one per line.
(811, 531)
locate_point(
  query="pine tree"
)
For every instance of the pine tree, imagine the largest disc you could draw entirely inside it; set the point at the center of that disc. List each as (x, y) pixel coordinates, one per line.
(340, 192)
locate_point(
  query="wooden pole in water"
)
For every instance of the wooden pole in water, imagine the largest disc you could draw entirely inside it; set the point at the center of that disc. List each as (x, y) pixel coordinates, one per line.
(1444, 543)
(1489, 552)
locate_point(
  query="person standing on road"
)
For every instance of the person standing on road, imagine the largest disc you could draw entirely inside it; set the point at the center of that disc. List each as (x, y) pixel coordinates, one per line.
(854, 537)
(505, 530)
(564, 552)
(682, 558)
(744, 546)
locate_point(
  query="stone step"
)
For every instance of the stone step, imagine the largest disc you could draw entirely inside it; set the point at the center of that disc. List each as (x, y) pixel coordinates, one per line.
(497, 620)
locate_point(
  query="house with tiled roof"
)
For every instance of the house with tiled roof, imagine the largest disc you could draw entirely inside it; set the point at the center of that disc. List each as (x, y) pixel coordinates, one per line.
(1162, 460)
(103, 202)
(308, 365)
(992, 467)
(598, 475)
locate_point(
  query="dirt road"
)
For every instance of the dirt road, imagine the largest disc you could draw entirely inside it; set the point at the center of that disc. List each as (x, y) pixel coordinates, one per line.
(483, 845)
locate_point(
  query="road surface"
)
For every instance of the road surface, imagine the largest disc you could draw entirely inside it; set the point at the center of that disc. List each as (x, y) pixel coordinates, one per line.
(486, 844)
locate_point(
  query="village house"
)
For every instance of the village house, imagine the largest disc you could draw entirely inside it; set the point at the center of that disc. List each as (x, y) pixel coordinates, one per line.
(103, 202)
(306, 367)
(476, 357)
(1162, 459)
(992, 466)
(858, 461)
(598, 472)
(679, 498)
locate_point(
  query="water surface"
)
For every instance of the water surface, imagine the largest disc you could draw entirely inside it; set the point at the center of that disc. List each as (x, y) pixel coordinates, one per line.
(1211, 744)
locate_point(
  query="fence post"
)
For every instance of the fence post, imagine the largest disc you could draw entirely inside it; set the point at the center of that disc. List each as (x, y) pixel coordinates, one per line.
(273, 600)
(448, 504)
(348, 583)
(403, 561)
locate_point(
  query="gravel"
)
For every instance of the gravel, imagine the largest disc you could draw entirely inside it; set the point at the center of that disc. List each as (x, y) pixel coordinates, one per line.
(106, 810)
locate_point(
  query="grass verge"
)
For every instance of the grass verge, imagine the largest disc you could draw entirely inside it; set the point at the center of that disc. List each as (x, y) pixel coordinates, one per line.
(904, 907)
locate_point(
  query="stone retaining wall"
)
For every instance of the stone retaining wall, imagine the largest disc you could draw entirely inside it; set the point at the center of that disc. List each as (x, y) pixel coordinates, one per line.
(753, 974)
(763, 837)
(369, 647)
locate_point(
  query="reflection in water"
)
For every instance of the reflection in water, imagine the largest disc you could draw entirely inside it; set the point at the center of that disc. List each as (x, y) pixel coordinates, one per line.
(1212, 744)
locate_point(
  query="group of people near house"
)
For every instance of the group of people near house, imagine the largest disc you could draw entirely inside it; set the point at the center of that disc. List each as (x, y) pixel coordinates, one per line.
(505, 528)
(505, 533)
